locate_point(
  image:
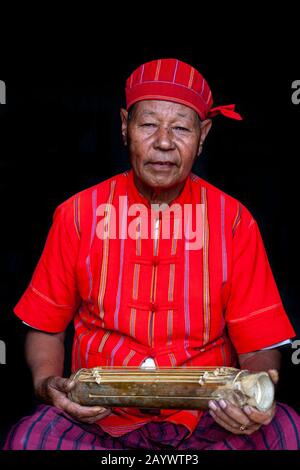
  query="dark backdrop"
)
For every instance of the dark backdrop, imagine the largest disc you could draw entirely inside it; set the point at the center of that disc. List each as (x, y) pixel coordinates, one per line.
(60, 133)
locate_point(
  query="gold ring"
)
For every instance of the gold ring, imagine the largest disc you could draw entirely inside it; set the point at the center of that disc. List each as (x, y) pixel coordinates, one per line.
(243, 427)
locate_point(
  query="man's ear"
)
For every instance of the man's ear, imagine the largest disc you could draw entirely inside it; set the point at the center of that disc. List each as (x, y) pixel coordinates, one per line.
(204, 128)
(124, 121)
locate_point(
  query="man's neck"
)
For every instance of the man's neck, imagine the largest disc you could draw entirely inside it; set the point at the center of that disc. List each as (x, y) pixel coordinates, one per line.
(159, 195)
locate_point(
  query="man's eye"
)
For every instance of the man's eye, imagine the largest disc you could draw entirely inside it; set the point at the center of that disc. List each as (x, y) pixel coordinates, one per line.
(181, 129)
(148, 124)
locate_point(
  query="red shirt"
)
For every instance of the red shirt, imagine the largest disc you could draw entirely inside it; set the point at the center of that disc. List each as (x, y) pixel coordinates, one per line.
(137, 297)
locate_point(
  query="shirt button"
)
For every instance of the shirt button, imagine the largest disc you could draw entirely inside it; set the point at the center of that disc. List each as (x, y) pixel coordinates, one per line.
(155, 261)
(153, 307)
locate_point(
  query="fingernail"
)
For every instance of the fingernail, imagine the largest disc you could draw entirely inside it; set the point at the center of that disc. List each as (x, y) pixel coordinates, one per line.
(212, 405)
(223, 404)
(248, 410)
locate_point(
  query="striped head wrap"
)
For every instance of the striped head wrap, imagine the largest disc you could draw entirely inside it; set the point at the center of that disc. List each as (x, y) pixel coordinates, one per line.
(173, 80)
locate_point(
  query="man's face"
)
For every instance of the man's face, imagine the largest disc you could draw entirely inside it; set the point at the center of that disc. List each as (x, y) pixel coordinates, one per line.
(164, 139)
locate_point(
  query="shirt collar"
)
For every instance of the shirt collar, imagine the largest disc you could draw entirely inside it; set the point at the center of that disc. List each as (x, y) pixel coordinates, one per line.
(136, 197)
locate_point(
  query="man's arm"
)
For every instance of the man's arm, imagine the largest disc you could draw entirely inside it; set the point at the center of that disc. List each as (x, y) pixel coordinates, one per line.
(45, 356)
(268, 360)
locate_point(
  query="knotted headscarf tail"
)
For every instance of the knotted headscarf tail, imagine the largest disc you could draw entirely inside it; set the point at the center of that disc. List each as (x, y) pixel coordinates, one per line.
(173, 80)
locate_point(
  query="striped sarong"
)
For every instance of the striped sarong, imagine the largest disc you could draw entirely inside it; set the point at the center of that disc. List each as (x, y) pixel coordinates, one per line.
(51, 429)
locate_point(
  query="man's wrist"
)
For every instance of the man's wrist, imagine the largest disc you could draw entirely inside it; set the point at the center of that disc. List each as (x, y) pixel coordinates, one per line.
(40, 387)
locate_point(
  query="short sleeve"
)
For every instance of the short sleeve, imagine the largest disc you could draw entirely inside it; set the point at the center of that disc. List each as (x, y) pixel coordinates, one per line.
(255, 315)
(51, 299)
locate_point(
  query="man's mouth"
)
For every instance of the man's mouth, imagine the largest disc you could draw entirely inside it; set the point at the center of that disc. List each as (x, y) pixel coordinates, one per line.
(161, 165)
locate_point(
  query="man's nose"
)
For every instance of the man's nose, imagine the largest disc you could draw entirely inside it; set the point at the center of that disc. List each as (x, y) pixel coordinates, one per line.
(163, 139)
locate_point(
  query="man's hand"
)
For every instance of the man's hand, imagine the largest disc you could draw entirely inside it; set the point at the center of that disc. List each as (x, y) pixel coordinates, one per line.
(237, 420)
(45, 357)
(241, 421)
(54, 390)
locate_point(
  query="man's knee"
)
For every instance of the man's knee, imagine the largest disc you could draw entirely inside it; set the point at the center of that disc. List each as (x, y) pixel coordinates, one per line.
(284, 430)
(24, 434)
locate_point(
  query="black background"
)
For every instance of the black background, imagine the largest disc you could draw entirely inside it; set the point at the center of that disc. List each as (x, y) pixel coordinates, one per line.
(60, 133)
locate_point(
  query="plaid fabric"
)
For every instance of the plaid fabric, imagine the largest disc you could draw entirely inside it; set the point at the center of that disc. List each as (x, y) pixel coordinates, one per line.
(51, 429)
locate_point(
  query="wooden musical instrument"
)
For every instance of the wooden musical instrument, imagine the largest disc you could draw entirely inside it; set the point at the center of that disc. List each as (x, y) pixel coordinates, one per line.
(171, 388)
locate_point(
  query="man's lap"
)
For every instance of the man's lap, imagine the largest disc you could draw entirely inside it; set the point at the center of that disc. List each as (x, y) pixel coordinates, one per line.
(51, 429)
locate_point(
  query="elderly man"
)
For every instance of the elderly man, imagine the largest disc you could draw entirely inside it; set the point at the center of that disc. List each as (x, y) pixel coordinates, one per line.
(154, 299)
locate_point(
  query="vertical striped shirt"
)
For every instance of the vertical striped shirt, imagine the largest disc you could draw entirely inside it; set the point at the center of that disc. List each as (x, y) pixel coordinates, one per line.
(137, 287)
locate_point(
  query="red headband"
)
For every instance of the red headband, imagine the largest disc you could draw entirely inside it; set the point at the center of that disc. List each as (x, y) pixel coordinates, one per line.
(173, 80)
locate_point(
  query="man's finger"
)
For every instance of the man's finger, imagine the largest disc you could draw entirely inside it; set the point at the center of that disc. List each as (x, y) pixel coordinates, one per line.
(259, 417)
(96, 418)
(273, 373)
(234, 430)
(80, 412)
(63, 385)
(231, 414)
